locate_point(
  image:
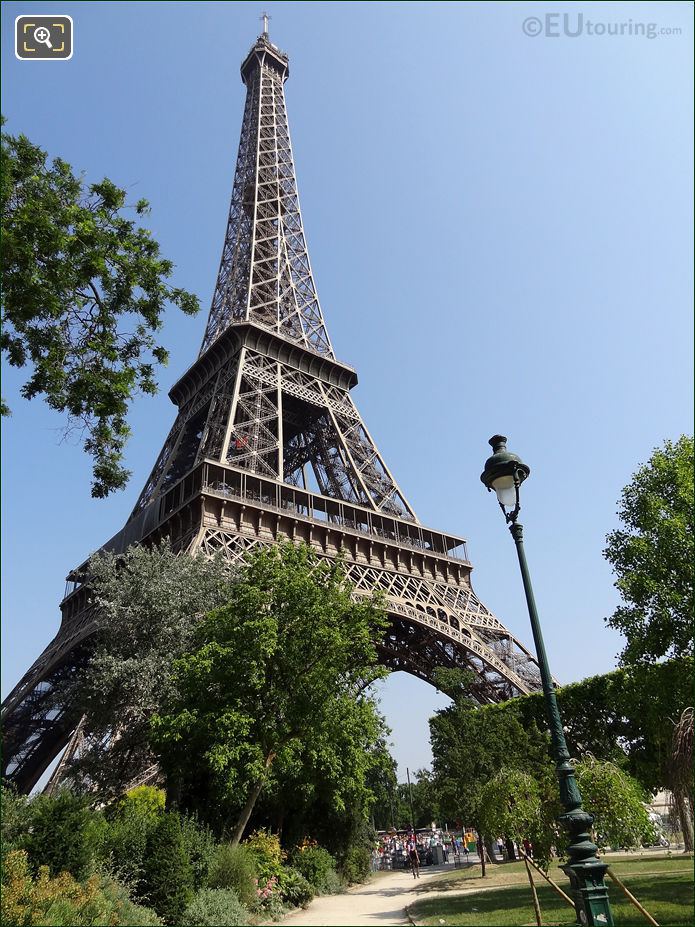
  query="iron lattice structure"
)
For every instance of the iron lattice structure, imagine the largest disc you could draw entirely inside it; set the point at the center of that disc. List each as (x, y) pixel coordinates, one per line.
(269, 445)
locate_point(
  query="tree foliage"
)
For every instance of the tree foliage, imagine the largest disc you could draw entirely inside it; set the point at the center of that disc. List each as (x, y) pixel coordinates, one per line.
(520, 807)
(382, 781)
(299, 797)
(470, 745)
(148, 602)
(84, 292)
(652, 556)
(282, 667)
(617, 803)
(625, 716)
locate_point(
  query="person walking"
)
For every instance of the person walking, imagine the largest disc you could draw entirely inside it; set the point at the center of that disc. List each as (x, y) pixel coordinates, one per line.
(413, 856)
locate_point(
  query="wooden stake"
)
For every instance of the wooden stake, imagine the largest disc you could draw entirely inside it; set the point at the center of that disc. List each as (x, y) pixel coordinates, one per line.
(628, 894)
(548, 879)
(536, 906)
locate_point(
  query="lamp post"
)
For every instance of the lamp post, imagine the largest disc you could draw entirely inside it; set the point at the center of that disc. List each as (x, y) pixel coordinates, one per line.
(505, 472)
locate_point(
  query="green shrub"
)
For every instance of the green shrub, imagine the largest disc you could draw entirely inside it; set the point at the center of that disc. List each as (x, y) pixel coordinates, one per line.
(332, 883)
(64, 834)
(215, 906)
(167, 882)
(63, 901)
(295, 890)
(235, 868)
(268, 853)
(127, 833)
(268, 905)
(146, 800)
(355, 865)
(200, 847)
(16, 818)
(316, 864)
(128, 912)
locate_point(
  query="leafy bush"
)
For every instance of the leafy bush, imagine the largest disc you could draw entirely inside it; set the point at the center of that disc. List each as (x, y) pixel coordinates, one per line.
(125, 842)
(167, 881)
(332, 883)
(268, 904)
(128, 913)
(295, 890)
(235, 868)
(63, 901)
(200, 847)
(355, 865)
(64, 834)
(16, 818)
(318, 868)
(214, 906)
(146, 800)
(268, 853)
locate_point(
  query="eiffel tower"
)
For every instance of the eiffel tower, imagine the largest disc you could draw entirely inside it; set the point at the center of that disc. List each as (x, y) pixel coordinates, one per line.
(268, 445)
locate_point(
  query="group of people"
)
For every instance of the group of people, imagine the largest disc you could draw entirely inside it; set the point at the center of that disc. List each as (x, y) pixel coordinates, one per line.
(410, 850)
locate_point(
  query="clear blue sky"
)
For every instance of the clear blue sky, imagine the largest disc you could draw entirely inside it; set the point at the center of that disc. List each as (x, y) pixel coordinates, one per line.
(500, 228)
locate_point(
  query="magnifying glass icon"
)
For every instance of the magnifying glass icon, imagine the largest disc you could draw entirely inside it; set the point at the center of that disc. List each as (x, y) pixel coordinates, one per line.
(43, 36)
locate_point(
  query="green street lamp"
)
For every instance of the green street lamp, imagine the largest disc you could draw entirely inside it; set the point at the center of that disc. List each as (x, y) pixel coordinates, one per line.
(504, 473)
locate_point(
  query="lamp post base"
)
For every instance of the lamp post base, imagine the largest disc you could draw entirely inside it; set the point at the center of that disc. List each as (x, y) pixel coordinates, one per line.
(590, 892)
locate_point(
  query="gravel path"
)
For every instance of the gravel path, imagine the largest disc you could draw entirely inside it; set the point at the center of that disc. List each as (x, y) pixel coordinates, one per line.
(381, 901)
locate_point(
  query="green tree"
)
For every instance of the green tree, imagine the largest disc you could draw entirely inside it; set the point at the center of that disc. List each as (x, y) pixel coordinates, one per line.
(652, 555)
(283, 665)
(616, 801)
(84, 292)
(167, 882)
(521, 807)
(469, 747)
(382, 782)
(625, 716)
(148, 600)
(322, 789)
(425, 803)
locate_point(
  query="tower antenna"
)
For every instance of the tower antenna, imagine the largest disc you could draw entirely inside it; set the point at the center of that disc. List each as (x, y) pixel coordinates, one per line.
(265, 17)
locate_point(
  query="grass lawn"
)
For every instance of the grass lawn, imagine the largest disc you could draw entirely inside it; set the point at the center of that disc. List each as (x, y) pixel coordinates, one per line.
(663, 885)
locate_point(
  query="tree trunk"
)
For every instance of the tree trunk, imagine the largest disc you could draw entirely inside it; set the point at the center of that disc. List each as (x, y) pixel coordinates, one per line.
(249, 804)
(481, 851)
(683, 812)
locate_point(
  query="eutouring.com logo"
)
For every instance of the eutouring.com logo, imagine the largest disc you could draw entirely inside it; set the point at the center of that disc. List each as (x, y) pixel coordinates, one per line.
(575, 25)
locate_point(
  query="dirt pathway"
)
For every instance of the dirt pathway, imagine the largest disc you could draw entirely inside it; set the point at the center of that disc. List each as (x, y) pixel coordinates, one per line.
(381, 901)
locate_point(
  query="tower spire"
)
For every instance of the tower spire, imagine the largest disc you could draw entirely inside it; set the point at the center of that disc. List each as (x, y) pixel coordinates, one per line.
(265, 17)
(265, 275)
